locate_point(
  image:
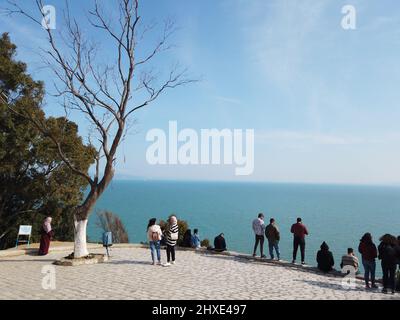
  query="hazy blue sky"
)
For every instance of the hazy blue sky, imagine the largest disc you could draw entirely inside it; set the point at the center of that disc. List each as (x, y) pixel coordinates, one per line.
(323, 101)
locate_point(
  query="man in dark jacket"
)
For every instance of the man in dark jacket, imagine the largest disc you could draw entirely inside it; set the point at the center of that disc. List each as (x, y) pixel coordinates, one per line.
(299, 231)
(273, 236)
(219, 243)
(325, 258)
(389, 253)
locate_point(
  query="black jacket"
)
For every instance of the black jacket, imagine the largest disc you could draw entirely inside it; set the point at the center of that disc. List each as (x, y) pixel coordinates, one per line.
(219, 243)
(325, 260)
(389, 254)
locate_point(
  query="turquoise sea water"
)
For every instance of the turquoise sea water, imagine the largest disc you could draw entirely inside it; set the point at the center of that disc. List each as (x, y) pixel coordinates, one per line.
(337, 214)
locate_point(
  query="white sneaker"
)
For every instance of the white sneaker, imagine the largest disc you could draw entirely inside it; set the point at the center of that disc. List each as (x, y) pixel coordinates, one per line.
(167, 264)
(172, 262)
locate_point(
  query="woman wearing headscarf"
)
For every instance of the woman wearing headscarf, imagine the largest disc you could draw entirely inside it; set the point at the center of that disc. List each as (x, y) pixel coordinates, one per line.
(172, 238)
(46, 235)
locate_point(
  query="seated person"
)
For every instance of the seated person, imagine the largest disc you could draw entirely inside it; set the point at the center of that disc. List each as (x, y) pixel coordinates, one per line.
(195, 239)
(219, 243)
(325, 258)
(350, 260)
(187, 239)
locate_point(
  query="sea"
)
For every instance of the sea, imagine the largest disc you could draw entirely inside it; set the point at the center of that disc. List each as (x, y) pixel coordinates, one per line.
(337, 214)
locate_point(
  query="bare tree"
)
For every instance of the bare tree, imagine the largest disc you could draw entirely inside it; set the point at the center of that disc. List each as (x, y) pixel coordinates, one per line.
(106, 93)
(109, 221)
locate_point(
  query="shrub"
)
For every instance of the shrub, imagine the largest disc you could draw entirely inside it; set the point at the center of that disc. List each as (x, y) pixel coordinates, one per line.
(205, 243)
(109, 221)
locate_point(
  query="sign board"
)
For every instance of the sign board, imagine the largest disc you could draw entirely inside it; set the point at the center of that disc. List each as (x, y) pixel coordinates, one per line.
(25, 230)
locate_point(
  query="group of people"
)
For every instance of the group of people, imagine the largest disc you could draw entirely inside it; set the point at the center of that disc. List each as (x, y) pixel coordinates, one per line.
(272, 234)
(191, 240)
(170, 236)
(388, 252)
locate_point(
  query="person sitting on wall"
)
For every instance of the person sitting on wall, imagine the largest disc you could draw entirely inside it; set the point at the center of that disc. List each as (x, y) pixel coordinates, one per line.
(196, 239)
(220, 243)
(187, 239)
(325, 258)
(349, 261)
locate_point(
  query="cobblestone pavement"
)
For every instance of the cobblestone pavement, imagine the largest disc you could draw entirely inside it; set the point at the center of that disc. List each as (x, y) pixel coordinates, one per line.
(130, 275)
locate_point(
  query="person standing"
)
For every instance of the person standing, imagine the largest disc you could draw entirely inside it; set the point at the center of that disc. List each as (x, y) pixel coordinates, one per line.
(398, 243)
(46, 236)
(299, 231)
(325, 258)
(154, 236)
(369, 253)
(273, 236)
(388, 254)
(172, 238)
(196, 239)
(258, 228)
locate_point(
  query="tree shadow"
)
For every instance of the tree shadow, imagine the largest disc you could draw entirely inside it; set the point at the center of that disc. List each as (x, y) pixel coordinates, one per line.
(274, 263)
(226, 257)
(337, 286)
(135, 262)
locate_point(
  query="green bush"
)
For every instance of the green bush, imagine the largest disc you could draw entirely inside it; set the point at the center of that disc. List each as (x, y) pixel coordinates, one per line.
(205, 243)
(109, 221)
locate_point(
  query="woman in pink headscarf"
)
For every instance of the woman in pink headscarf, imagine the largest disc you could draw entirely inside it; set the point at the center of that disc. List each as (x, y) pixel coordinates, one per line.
(45, 239)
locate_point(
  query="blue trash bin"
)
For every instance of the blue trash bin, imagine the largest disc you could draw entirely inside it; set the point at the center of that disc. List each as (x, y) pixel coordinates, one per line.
(107, 240)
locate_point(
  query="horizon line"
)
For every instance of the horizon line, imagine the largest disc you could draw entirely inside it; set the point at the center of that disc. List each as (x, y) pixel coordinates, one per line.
(143, 179)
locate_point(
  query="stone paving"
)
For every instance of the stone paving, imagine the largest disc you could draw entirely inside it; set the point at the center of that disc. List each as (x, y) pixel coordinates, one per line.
(130, 275)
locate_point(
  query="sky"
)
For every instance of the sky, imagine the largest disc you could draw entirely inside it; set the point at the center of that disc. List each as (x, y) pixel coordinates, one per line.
(323, 101)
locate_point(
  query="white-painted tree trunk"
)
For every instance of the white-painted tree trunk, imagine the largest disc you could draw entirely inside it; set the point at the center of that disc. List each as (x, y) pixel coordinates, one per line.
(80, 246)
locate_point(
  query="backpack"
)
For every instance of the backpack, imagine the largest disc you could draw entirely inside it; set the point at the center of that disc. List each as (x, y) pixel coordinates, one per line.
(155, 236)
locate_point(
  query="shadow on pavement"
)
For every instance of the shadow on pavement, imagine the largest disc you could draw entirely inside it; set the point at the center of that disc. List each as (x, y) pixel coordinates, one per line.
(337, 286)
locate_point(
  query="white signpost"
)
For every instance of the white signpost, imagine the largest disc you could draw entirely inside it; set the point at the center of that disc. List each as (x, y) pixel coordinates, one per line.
(25, 231)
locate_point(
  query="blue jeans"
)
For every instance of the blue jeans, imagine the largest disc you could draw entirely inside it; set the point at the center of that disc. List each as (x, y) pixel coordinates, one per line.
(155, 246)
(272, 246)
(369, 269)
